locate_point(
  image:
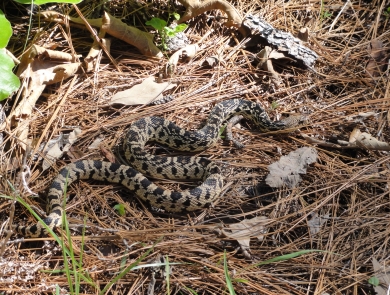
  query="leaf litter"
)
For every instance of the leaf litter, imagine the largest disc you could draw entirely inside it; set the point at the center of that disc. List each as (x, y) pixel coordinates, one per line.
(350, 185)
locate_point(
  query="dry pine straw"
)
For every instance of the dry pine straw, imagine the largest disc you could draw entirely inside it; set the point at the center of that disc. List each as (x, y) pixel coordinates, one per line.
(346, 184)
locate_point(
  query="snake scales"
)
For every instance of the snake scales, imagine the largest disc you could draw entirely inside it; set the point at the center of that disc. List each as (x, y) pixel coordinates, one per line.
(182, 167)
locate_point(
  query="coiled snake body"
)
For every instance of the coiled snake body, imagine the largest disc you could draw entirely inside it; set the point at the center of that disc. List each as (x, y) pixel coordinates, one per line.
(182, 167)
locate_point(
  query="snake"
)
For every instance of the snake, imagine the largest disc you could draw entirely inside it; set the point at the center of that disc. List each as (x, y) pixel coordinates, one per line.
(141, 163)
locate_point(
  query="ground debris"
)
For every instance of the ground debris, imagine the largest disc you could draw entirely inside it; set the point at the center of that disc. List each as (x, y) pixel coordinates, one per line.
(283, 41)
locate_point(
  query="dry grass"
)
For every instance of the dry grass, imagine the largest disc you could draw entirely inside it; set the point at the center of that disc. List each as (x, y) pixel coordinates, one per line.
(351, 185)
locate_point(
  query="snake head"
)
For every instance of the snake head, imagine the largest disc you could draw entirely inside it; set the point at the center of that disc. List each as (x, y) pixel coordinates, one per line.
(292, 121)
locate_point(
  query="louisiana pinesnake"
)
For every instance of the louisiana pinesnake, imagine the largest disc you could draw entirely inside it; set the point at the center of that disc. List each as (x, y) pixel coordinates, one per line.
(182, 167)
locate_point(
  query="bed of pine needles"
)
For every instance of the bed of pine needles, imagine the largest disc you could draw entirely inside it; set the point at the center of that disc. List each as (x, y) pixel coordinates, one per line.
(350, 187)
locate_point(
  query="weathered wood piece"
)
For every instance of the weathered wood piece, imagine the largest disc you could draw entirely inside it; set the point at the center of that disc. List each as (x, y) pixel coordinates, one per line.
(283, 41)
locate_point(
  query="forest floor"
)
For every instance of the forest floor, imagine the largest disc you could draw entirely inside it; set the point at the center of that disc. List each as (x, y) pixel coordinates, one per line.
(327, 234)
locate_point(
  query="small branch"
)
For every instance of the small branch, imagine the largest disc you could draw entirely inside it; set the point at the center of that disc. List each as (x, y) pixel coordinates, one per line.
(195, 7)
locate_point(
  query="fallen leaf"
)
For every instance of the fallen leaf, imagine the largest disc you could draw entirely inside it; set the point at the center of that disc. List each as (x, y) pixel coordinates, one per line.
(382, 274)
(143, 93)
(107, 153)
(316, 222)
(286, 171)
(38, 67)
(246, 229)
(55, 148)
(96, 143)
(367, 141)
(186, 53)
(377, 62)
(266, 57)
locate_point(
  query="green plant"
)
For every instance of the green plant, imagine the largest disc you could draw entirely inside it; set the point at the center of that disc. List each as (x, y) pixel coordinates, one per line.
(164, 31)
(120, 208)
(274, 105)
(9, 82)
(386, 13)
(374, 281)
(227, 275)
(167, 272)
(324, 13)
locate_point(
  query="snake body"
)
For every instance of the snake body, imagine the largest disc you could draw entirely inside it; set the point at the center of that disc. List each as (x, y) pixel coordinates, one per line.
(183, 167)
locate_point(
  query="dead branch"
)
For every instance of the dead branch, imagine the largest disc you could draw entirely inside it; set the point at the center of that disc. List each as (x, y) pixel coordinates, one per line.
(195, 7)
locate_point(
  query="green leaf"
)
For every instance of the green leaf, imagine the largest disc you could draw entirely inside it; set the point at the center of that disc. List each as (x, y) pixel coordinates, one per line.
(9, 82)
(40, 2)
(227, 275)
(169, 32)
(5, 29)
(120, 208)
(221, 131)
(286, 257)
(157, 23)
(180, 28)
(176, 15)
(373, 281)
(327, 14)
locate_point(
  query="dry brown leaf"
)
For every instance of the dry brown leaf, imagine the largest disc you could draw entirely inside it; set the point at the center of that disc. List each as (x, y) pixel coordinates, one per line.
(140, 39)
(383, 275)
(377, 62)
(316, 222)
(186, 53)
(38, 70)
(367, 141)
(143, 41)
(286, 171)
(265, 57)
(107, 153)
(143, 93)
(196, 7)
(246, 229)
(96, 143)
(57, 147)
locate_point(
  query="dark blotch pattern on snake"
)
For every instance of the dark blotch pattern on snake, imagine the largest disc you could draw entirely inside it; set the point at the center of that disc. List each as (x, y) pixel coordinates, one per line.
(183, 167)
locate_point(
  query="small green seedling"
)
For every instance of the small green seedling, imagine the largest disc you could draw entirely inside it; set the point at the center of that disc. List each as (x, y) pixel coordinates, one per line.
(9, 82)
(274, 105)
(120, 208)
(164, 31)
(374, 281)
(386, 13)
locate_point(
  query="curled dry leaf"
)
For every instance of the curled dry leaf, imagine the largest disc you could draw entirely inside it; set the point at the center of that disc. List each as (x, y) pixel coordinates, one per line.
(55, 148)
(367, 141)
(286, 172)
(196, 7)
(378, 60)
(39, 67)
(95, 51)
(96, 143)
(143, 93)
(186, 53)
(246, 229)
(143, 41)
(265, 57)
(211, 61)
(140, 39)
(39, 73)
